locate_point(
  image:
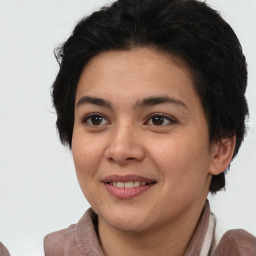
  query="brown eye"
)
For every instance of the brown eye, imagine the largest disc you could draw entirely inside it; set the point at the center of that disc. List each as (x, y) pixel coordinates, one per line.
(95, 120)
(157, 120)
(160, 120)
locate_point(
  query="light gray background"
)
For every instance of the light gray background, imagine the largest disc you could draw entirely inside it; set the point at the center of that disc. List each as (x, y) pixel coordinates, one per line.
(38, 188)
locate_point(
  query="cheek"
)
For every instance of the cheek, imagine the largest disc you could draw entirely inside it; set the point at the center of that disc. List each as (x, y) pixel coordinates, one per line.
(173, 153)
(87, 155)
(85, 164)
(86, 150)
(182, 162)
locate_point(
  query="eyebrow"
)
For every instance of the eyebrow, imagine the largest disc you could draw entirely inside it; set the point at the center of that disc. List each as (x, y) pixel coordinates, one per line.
(156, 100)
(147, 102)
(95, 101)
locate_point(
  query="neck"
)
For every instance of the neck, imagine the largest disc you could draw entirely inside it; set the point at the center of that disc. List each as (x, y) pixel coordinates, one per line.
(171, 239)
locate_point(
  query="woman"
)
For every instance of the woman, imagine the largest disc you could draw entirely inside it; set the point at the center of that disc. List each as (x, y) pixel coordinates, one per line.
(150, 99)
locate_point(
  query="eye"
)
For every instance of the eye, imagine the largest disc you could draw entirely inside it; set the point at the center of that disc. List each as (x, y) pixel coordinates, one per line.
(160, 120)
(95, 120)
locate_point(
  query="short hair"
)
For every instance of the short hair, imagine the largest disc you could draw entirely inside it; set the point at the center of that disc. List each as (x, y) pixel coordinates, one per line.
(189, 29)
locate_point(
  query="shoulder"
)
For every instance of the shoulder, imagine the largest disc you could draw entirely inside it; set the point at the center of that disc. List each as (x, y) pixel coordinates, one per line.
(56, 243)
(3, 250)
(236, 242)
(78, 239)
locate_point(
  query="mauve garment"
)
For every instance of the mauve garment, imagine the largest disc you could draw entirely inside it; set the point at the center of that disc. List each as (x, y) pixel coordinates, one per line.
(3, 250)
(81, 239)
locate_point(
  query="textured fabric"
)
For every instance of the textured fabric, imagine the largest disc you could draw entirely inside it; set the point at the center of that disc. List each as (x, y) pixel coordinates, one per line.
(3, 250)
(81, 239)
(77, 240)
(197, 239)
(209, 239)
(236, 242)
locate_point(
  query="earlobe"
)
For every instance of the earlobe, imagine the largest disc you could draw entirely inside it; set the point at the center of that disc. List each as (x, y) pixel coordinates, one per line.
(222, 153)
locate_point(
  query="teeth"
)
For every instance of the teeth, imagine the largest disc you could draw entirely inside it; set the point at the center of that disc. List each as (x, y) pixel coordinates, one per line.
(136, 184)
(120, 184)
(128, 184)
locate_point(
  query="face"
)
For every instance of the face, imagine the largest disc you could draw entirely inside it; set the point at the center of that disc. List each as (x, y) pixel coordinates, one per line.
(140, 142)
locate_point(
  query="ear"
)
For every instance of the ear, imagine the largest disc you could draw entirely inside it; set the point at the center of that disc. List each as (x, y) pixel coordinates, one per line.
(222, 152)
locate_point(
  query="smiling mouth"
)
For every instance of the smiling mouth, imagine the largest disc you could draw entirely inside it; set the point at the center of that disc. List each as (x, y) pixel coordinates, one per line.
(128, 186)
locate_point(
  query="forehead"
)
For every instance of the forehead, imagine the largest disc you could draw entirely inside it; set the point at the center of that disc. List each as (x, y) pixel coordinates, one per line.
(143, 67)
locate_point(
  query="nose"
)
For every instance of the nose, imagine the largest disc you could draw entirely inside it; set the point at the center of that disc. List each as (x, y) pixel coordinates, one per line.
(124, 146)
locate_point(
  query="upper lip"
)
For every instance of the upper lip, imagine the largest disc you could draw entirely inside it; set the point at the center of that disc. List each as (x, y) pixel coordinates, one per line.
(126, 178)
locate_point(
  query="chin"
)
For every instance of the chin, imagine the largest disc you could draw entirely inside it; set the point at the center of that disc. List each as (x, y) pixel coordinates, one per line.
(126, 220)
(129, 226)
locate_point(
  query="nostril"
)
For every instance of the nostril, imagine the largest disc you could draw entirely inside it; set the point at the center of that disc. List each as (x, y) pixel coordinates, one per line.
(130, 158)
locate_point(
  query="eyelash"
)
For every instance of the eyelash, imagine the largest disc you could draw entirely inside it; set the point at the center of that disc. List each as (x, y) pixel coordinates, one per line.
(86, 119)
(164, 117)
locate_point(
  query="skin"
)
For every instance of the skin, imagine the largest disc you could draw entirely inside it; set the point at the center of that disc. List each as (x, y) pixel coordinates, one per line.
(175, 152)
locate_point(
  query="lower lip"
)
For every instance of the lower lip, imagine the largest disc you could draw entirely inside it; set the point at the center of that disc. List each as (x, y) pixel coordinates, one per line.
(125, 193)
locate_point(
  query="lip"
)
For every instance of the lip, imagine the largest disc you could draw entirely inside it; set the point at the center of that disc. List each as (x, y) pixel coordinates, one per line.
(126, 193)
(126, 178)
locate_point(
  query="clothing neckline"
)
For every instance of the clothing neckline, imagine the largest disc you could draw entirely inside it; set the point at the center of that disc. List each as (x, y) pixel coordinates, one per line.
(93, 246)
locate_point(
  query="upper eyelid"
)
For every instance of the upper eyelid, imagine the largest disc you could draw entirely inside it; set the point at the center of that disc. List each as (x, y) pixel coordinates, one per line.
(85, 117)
(163, 115)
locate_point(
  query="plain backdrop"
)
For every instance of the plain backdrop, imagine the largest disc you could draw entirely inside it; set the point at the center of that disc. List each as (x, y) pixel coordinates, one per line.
(39, 192)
